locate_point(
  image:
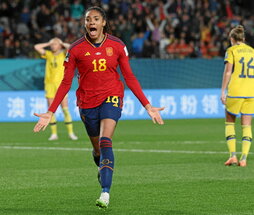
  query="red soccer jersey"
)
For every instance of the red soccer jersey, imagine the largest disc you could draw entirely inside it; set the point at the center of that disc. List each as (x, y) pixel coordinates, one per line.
(97, 73)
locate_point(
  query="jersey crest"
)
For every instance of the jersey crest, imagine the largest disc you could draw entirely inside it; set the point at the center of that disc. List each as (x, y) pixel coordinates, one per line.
(109, 51)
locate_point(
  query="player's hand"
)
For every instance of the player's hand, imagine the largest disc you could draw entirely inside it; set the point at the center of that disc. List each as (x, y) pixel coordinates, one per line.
(154, 113)
(223, 98)
(43, 121)
(50, 42)
(60, 41)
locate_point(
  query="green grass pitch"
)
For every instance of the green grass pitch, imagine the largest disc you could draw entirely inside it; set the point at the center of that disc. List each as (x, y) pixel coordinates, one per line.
(174, 169)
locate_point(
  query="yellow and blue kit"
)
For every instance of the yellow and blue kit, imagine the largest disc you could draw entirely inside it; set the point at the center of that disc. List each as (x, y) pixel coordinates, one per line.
(241, 84)
(54, 72)
(240, 97)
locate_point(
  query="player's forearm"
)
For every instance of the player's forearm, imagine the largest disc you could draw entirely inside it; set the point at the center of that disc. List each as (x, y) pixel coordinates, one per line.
(61, 93)
(66, 45)
(135, 87)
(225, 81)
(226, 77)
(63, 89)
(40, 47)
(132, 81)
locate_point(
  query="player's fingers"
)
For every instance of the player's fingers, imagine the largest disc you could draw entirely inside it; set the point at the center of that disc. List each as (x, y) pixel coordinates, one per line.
(159, 120)
(158, 117)
(36, 128)
(44, 127)
(36, 114)
(154, 120)
(223, 98)
(161, 108)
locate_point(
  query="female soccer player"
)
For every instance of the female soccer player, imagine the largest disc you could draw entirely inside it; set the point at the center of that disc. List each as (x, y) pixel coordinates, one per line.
(100, 93)
(54, 72)
(238, 78)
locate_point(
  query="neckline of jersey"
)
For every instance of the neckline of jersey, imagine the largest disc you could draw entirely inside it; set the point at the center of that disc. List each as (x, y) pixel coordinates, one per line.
(97, 45)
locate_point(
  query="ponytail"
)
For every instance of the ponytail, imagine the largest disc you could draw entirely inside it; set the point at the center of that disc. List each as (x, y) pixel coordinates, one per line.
(237, 33)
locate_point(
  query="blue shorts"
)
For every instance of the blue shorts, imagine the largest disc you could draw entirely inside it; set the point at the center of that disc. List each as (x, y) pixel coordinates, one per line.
(111, 108)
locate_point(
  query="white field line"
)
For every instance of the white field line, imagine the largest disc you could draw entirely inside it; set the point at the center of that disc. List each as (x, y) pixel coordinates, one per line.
(116, 150)
(172, 142)
(178, 142)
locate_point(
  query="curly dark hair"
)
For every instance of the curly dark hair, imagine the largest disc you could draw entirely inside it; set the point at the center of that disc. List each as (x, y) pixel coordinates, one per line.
(106, 28)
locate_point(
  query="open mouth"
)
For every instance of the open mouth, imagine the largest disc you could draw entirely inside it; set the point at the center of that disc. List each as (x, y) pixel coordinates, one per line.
(92, 31)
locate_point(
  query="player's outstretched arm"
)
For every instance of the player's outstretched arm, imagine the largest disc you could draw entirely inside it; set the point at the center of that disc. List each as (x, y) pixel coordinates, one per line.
(43, 122)
(154, 113)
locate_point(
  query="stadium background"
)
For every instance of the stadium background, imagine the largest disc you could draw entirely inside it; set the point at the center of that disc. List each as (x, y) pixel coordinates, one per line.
(176, 49)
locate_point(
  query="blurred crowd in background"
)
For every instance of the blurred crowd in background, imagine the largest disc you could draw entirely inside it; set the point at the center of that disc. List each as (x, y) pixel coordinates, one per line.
(167, 29)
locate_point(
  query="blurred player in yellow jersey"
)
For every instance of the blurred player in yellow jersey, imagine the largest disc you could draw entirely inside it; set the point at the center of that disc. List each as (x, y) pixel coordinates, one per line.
(238, 79)
(54, 73)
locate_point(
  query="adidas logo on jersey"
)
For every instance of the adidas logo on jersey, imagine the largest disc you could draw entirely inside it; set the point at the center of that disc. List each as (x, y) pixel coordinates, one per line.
(87, 54)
